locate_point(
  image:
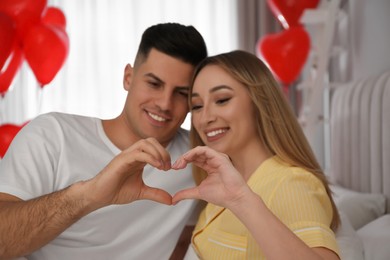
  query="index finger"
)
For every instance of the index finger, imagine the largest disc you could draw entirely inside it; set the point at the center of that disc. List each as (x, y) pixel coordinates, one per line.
(162, 152)
(152, 149)
(204, 154)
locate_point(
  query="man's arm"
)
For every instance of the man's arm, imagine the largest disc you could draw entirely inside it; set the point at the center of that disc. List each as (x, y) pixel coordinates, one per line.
(28, 225)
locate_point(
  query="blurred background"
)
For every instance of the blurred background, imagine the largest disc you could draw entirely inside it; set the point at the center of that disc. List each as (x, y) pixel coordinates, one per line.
(351, 41)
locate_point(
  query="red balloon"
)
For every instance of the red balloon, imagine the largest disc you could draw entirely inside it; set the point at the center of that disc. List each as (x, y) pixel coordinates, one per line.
(46, 48)
(25, 13)
(7, 134)
(288, 12)
(7, 36)
(285, 52)
(54, 16)
(8, 74)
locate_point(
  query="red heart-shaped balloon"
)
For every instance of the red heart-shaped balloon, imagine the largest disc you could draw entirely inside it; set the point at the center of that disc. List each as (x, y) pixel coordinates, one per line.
(7, 36)
(46, 48)
(10, 70)
(54, 16)
(285, 52)
(7, 134)
(288, 12)
(25, 13)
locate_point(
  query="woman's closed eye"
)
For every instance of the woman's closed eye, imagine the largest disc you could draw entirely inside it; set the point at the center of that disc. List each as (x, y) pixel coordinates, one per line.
(196, 107)
(222, 101)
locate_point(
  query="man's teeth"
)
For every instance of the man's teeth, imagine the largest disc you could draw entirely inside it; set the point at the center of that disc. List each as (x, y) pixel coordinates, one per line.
(157, 118)
(216, 132)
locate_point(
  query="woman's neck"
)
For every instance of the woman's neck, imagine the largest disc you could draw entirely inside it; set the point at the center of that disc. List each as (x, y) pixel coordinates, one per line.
(247, 160)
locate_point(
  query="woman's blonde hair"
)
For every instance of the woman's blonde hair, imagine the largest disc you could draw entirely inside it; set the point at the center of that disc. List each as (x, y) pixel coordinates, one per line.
(277, 125)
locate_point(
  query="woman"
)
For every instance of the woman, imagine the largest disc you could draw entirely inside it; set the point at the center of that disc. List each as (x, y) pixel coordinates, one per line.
(268, 198)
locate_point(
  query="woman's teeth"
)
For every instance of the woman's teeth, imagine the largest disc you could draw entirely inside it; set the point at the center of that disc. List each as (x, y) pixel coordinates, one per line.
(216, 132)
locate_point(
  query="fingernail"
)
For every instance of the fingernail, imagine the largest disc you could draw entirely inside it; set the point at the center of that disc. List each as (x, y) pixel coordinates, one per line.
(162, 166)
(168, 165)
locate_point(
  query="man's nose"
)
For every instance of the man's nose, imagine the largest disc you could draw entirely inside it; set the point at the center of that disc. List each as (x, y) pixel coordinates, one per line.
(165, 100)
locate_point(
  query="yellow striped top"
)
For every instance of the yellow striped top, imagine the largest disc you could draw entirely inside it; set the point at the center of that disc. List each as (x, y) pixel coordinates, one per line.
(294, 195)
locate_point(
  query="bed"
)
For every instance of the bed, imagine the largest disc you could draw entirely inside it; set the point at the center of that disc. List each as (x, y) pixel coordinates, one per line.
(360, 166)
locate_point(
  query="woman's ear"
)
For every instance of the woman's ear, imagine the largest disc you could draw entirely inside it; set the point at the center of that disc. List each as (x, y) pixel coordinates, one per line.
(127, 77)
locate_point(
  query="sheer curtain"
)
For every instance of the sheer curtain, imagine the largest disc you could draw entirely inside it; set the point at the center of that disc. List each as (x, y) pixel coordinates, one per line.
(104, 37)
(255, 20)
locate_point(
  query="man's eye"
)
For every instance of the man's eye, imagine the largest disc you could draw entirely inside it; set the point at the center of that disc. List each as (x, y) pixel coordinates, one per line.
(153, 84)
(183, 93)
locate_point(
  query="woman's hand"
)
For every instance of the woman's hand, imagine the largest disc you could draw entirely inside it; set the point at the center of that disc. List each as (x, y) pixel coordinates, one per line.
(224, 185)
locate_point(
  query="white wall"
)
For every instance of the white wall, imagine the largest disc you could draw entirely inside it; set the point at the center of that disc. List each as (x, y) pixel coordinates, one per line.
(370, 36)
(365, 35)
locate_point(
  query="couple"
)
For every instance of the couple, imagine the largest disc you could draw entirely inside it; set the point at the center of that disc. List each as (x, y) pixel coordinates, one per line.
(74, 187)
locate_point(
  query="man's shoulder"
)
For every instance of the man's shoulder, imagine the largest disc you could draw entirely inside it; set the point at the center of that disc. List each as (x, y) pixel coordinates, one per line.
(183, 133)
(60, 118)
(63, 116)
(55, 124)
(182, 136)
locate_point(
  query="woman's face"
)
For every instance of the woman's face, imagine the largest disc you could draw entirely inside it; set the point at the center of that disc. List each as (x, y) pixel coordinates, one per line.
(222, 111)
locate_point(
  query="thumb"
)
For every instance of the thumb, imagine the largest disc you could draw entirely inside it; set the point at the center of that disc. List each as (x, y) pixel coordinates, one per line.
(157, 195)
(191, 193)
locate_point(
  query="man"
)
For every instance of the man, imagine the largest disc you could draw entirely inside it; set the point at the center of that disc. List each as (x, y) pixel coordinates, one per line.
(64, 178)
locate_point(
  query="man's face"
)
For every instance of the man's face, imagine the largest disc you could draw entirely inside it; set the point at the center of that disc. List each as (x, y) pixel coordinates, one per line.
(156, 104)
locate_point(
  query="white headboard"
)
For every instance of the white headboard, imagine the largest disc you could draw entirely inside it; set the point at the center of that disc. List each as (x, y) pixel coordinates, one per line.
(360, 135)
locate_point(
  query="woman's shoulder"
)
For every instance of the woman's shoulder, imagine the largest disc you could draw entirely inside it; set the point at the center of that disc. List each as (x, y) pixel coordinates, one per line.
(277, 176)
(277, 169)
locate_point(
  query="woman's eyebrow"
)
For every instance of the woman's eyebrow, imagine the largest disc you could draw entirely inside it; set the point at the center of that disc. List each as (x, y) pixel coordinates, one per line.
(214, 89)
(219, 87)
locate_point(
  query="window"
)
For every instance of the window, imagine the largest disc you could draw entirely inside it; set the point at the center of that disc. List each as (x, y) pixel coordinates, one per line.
(104, 37)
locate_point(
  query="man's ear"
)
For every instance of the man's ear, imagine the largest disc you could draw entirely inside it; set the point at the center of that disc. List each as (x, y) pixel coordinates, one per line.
(127, 77)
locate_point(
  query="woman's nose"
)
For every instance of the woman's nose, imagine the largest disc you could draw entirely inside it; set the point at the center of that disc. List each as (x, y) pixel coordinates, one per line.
(208, 116)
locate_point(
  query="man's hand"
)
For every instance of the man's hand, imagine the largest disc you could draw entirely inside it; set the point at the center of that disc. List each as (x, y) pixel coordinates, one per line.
(121, 182)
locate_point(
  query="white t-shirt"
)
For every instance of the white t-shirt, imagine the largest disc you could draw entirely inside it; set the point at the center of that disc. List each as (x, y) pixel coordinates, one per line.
(56, 150)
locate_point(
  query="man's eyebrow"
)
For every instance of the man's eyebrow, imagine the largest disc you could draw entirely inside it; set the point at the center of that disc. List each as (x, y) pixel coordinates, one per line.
(156, 78)
(214, 89)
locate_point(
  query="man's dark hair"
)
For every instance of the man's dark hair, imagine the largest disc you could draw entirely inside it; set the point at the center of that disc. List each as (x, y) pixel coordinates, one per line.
(176, 40)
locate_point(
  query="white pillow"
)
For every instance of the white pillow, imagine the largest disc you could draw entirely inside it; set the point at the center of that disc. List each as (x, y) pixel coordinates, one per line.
(376, 238)
(350, 244)
(360, 208)
(190, 254)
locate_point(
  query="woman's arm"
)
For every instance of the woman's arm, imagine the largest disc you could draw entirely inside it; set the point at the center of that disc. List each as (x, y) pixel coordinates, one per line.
(225, 187)
(275, 239)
